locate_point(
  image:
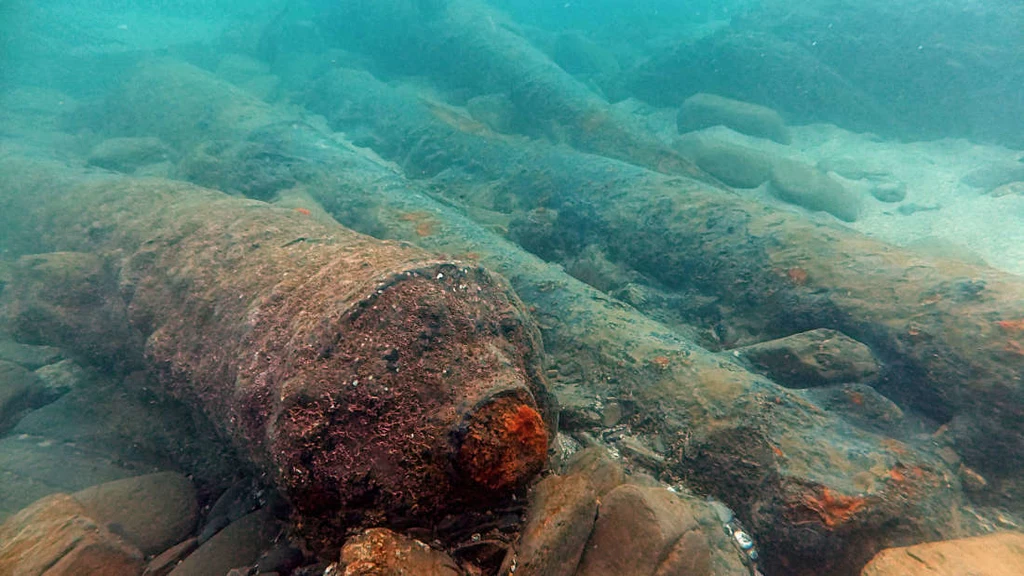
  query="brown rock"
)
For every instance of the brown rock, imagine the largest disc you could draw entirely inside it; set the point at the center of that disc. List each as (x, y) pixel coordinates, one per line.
(240, 544)
(561, 516)
(1000, 554)
(381, 552)
(152, 512)
(813, 358)
(597, 466)
(55, 536)
(640, 532)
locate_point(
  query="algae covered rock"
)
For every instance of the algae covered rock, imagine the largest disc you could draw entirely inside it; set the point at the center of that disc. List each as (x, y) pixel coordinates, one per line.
(705, 110)
(813, 358)
(383, 552)
(734, 164)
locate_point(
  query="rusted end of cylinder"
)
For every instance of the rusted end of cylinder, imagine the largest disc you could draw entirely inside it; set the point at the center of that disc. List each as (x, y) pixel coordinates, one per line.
(504, 444)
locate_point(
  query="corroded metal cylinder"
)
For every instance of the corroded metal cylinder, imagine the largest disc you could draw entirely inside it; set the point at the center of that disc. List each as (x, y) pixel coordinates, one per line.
(372, 381)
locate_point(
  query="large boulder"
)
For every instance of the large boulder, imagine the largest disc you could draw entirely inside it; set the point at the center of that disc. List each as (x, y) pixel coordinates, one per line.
(153, 512)
(706, 110)
(734, 164)
(56, 536)
(813, 358)
(1000, 554)
(804, 185)
(643, 531)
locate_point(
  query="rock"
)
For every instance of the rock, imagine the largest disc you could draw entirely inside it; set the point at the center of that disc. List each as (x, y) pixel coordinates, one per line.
(55, 536)
(558, 523)
(381, 552)
(858, 403)
(577, 54)
(597, 466)
(128, 154)
(62, 377)
(853, 168)
(639, 452)
(804, 185)
(30, 357)
(283, 559)
(889, 191)
(734, 164)
(249, 74)
(612, 414)
(1008, 189)
(32, 467)
(814, 358)
(944, 248)
(641, 531)
(1000, 554)
(492, 110)
(994, 175)
(20, 392)
(240, 544)
(153, 512)
(705, 110)
(168, 559)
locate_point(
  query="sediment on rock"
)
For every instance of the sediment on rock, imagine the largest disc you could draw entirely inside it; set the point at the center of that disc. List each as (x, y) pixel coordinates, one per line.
(356, 373)
(768, 452)
(948, 330)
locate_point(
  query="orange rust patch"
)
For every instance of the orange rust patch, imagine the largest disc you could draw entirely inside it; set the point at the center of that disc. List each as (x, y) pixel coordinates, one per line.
(797, 276)
(506, 444)
(833, 508)
(896, 475)
(424, 229)
(778, 451)
(856, 397)
(1012, 325)
(661, 361)
(303, 211)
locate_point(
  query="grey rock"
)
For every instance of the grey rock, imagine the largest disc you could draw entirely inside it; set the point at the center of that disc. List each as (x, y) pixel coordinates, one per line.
(859, 403)
(20, 392)
(889, 191)
(804, 185)
(814, 358)
(27, 356)
(734, 164)
(706, 110)
(128, 154)
(240, 544)
(994, 175)
(61, 377)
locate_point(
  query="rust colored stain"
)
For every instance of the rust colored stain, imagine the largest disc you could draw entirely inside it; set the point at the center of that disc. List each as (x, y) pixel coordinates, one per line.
(424, 222)
(303, 211)
(506, 443)
(896, 475)
(1012, 325)
(797, 276)
(661, 361)
(833, 508)
(856, 397)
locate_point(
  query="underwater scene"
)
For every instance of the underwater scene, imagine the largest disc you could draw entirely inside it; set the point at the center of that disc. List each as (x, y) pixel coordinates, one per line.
(511, 287)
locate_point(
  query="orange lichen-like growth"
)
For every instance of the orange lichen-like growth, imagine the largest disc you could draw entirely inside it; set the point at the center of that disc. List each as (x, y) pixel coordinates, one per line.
(833, 508)
(1012, 325)
(661, 361)
(506, 444)
(797, 275)
(303, 211)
